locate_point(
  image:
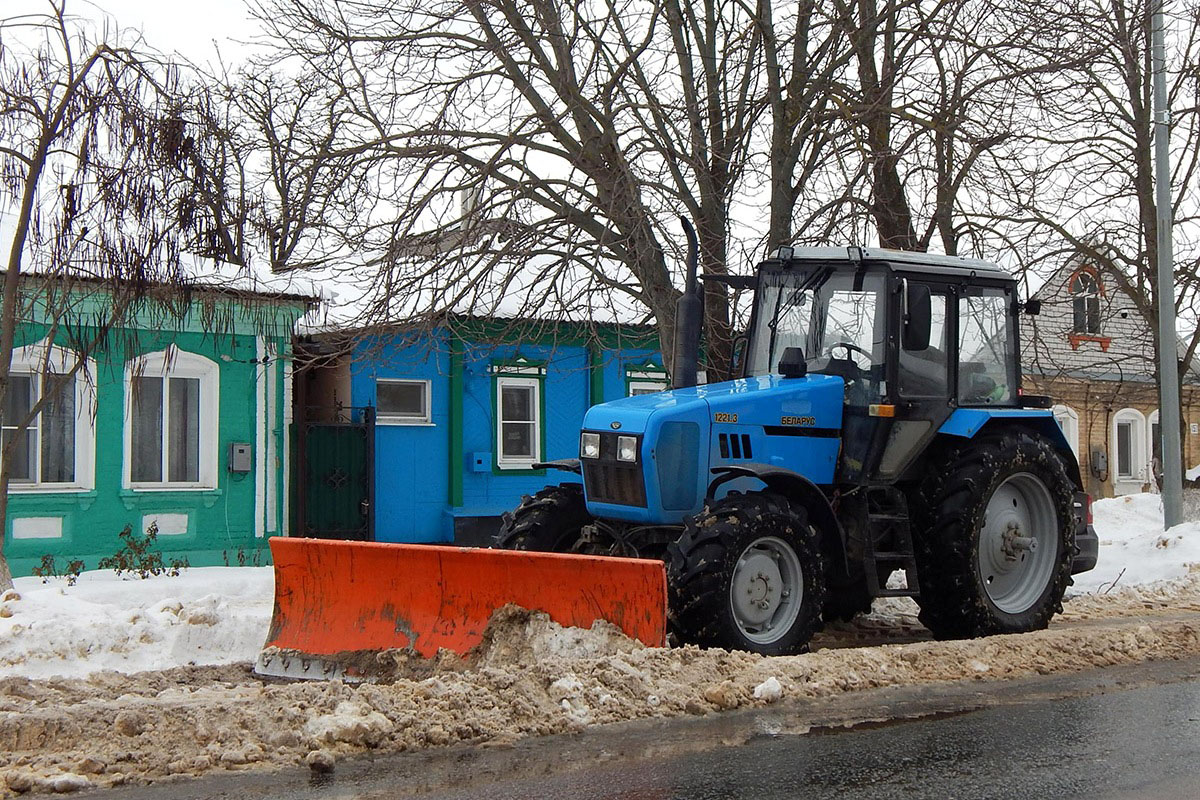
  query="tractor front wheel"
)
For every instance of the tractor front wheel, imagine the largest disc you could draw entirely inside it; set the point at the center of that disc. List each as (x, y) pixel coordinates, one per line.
(995, 537)
(747, 574)
(549, 521)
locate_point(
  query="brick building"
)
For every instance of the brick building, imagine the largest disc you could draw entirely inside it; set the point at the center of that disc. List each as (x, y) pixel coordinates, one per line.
(1092, 351)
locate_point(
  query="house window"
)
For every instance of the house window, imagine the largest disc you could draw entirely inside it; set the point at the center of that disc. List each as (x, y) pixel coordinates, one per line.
(1129, 445)
(518, 422)
(641, 387)
(1125, 449)
(52, 446)
(646, 378)
(44, 452)
(171, 421)
(402, 402)
(1085, 299)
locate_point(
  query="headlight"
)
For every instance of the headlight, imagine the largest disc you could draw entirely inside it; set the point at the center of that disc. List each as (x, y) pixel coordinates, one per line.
(626, 448)
(589, 445)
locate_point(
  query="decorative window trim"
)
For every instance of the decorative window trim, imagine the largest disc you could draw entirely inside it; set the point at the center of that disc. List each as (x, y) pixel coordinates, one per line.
(1068, 421)
(1077, 339)
(175, 363)
(391, 418)
(1137, 443)
(644, 376)
(518, 366)
(33, 359)
(1088, 270)
(535, 382)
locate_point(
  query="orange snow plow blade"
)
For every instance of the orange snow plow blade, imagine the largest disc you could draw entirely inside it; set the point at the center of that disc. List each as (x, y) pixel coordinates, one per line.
(335, 599)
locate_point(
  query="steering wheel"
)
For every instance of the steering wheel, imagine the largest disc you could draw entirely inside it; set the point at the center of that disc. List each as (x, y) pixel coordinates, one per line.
(852, 348)
(854, 374)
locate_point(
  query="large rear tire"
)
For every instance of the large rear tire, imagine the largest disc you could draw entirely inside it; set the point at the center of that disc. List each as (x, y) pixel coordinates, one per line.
(747, 574)
(549, 521)
(994, 537)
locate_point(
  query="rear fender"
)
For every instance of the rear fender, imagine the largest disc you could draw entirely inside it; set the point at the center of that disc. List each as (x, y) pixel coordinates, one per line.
(795, 487)
(971, 422)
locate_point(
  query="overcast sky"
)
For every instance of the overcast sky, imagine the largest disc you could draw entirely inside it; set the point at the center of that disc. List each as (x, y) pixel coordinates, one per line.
(183, 26)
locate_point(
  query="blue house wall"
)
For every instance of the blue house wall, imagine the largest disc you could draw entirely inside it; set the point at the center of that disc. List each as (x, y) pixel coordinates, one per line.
(436, 477)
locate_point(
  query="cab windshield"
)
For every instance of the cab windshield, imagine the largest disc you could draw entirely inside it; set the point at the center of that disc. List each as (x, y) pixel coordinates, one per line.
(837, 324)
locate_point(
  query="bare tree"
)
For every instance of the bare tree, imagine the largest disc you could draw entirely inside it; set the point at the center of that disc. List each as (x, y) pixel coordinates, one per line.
(936, 96)
(96, 193)
(1092, 192)
(532, 158)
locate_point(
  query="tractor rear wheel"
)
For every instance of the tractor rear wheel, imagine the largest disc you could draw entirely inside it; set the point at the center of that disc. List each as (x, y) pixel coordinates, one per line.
(747, 574)
(549, 521)
(994, 537)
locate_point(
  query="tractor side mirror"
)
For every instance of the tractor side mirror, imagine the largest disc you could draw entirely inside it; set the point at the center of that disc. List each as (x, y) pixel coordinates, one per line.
(918, 317)
(792, 363)
(1033, 307)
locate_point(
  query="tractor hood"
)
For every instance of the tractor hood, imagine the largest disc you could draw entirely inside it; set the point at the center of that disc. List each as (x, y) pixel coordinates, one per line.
(683, 433)
(762, 400)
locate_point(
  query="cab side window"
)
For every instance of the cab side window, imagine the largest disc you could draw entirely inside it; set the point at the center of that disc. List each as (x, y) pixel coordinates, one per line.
(925, 373)
(985, 348)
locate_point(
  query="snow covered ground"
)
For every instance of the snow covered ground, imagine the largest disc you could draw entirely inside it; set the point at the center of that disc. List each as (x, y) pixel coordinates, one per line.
(209, 615)
(1134, 549)
(219, 615)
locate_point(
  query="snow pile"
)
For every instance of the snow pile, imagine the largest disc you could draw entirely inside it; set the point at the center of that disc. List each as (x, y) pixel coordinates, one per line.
(212, 615)
(1134, 549)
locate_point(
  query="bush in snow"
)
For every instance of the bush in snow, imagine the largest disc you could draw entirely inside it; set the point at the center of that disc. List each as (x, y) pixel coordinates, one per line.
(137, 555)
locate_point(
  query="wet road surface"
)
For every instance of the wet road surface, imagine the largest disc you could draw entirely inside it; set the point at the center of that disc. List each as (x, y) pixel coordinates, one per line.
(1118, 734)
(1140, 743)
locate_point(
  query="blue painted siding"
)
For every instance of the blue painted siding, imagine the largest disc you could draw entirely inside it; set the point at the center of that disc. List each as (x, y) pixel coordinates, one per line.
(413, 463)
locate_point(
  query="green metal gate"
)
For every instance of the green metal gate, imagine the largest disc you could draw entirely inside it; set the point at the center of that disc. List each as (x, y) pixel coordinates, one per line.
(336, 474)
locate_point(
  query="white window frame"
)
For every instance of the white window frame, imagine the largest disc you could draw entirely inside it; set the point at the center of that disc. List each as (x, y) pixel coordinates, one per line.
(384, 418)
(523, 462)
(1123, 484)
(34, 360)
(175, 363)
(1068, 421)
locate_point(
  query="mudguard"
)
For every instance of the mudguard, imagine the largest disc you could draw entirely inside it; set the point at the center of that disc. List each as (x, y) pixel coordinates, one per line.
(794, 485)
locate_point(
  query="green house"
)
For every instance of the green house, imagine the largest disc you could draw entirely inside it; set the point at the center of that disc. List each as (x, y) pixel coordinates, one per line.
(160, 406)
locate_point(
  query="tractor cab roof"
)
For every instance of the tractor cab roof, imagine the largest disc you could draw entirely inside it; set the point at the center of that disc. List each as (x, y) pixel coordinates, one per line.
(929, 263)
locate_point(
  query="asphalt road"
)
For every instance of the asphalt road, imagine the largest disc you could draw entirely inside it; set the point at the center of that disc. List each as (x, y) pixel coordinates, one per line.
(1118, 734)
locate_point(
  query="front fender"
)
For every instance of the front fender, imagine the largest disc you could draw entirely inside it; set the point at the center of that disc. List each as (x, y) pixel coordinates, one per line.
(796, 487)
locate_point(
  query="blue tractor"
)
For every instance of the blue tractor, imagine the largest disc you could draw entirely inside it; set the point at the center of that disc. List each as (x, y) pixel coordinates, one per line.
(879, 425)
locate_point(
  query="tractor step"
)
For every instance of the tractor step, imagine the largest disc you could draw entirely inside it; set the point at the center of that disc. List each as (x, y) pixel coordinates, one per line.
(888, 514)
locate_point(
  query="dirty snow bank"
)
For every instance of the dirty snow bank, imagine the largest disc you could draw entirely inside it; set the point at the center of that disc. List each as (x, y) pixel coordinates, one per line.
(219, 615)
(213, 615)
(114, 729)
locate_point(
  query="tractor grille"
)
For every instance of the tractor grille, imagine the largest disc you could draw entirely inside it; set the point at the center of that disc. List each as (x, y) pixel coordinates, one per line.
(610, 483)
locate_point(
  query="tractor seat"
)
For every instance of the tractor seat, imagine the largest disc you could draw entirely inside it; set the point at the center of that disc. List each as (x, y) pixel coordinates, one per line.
(923, 372)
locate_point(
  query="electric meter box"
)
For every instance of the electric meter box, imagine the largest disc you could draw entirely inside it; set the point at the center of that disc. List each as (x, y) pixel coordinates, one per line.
(241, 457)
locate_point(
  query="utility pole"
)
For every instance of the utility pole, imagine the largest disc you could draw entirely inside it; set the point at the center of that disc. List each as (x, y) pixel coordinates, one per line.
(1168, 348)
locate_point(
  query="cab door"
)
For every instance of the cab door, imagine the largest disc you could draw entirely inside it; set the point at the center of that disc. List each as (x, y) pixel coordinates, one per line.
(923, 372)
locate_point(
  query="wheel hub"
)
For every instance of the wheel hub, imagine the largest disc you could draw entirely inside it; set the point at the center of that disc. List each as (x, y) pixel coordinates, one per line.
(764, 590)
(1016, 553)
(759, 575)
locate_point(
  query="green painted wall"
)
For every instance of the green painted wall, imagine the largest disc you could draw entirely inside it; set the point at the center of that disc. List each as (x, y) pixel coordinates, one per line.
(221, 521)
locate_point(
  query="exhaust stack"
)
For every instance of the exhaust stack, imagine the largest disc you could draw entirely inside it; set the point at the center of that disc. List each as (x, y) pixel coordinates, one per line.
(685, 363)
